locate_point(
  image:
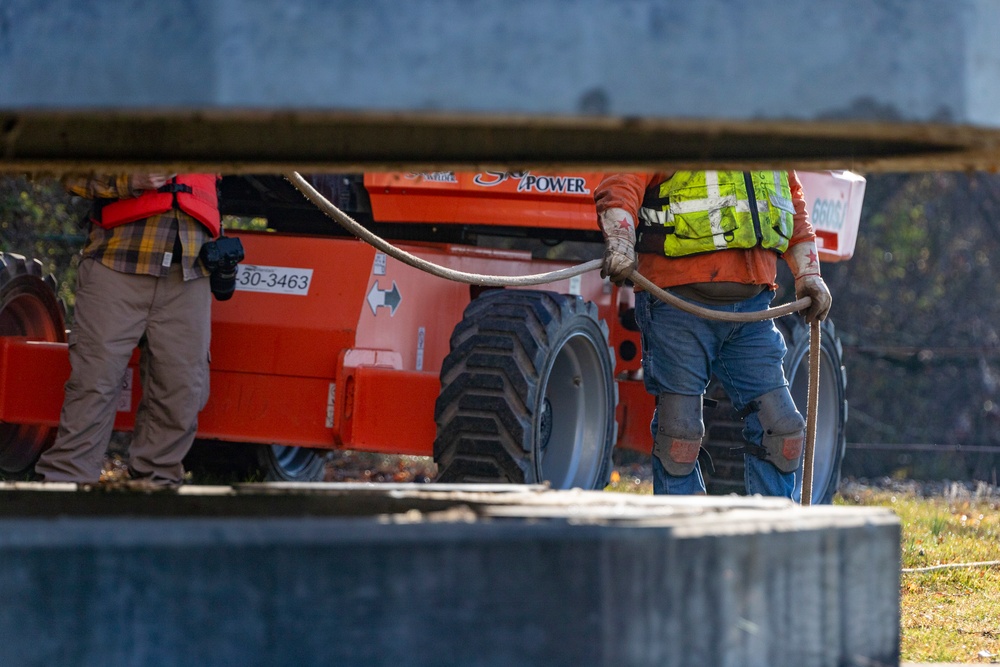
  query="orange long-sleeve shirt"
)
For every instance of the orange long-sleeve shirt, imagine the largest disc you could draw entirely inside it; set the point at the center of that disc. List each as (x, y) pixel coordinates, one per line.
(755, 266)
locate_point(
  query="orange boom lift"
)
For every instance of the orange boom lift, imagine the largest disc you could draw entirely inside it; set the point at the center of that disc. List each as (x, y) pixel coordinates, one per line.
(330, 344)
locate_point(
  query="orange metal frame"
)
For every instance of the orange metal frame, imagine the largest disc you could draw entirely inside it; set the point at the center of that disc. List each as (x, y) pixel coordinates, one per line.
(523, 199)
(335, 367)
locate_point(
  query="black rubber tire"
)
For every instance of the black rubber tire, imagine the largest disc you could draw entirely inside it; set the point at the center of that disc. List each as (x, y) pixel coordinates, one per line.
(281, 463)
(527, 393)
(30, 307)
(831, 413)
(220, 462)
(237, 462)
(723, 429)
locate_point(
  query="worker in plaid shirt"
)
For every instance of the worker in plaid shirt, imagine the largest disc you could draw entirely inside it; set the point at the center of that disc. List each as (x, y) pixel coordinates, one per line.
(140, 283)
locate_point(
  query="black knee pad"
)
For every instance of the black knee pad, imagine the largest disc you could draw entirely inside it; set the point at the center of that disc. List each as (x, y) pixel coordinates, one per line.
(679, 432)
(784, 429)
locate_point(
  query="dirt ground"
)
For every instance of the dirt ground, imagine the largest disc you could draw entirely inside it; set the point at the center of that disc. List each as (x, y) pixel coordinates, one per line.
(348, 466)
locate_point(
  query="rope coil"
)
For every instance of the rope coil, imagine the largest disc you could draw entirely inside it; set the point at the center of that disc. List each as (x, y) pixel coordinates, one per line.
(358, 230)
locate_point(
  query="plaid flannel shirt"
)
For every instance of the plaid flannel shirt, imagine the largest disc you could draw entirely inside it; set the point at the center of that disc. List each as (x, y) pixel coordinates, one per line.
(144, 247)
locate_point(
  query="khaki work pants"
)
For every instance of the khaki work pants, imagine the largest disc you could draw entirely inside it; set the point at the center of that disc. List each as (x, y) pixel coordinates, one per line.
(170, 320)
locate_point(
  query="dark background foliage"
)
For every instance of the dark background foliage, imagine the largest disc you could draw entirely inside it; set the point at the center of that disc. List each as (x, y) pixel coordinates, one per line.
(39, 219)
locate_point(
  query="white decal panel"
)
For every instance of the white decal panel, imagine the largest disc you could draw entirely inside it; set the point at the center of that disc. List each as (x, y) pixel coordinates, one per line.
(331, 399)
(421, 337)
(378, 266)
(273, 279)
(574, 285)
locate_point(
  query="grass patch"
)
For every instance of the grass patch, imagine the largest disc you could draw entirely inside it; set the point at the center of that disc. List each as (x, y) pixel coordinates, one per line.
(947, 615)
(627, 481)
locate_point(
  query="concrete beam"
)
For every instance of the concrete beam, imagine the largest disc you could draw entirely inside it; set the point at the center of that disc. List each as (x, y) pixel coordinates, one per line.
(432, 575)
(236, 85)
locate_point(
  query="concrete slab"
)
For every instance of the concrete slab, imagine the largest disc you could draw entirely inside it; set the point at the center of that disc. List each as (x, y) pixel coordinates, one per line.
(441, 575)
(340, 85)
(921, 61)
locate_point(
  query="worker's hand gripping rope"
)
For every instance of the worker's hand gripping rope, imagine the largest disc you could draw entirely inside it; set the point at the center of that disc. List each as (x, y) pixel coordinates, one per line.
(619, 245)
(803, 260)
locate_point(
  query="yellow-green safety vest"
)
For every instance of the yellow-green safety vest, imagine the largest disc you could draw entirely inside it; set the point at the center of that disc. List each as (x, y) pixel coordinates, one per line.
(704, 211)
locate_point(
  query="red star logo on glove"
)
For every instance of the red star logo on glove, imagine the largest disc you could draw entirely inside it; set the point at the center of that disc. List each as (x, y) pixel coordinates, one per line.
(623, 223)
(812, 257)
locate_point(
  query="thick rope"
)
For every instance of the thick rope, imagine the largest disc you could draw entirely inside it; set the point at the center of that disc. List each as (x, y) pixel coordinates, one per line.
(366, 235)
(812, 401)
(674, 300)
(950, 566)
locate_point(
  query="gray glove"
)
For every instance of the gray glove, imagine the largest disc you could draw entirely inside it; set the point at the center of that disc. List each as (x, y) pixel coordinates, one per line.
(803, 260)
(814, 287)
(619, 244)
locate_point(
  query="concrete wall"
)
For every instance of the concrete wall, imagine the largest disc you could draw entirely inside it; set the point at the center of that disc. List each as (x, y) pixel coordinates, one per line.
(347, 85)
(434, 575)
(915, 60)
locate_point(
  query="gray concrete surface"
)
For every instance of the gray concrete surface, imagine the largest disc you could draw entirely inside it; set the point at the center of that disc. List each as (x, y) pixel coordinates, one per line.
(437, 575)
(335, 84)
(910, 60)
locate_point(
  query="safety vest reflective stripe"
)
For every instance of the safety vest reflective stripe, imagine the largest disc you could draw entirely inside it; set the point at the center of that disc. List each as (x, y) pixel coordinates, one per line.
(784, 203)
(713, 203)
(711, 210)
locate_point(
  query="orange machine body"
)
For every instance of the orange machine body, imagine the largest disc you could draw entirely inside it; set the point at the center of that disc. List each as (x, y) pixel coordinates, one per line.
(351, 361)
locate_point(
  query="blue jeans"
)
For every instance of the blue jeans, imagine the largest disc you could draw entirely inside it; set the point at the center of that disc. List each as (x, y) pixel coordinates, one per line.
(680, 352)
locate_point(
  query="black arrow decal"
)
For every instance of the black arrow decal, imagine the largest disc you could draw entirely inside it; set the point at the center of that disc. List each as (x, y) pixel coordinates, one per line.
(388, 298)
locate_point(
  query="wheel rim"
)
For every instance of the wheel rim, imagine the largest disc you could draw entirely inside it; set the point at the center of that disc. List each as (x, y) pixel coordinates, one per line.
(574, 401)
(292, 461)
(825, 452)
(25, 314)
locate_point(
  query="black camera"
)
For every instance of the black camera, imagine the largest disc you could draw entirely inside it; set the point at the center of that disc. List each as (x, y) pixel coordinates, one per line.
(221, 257)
